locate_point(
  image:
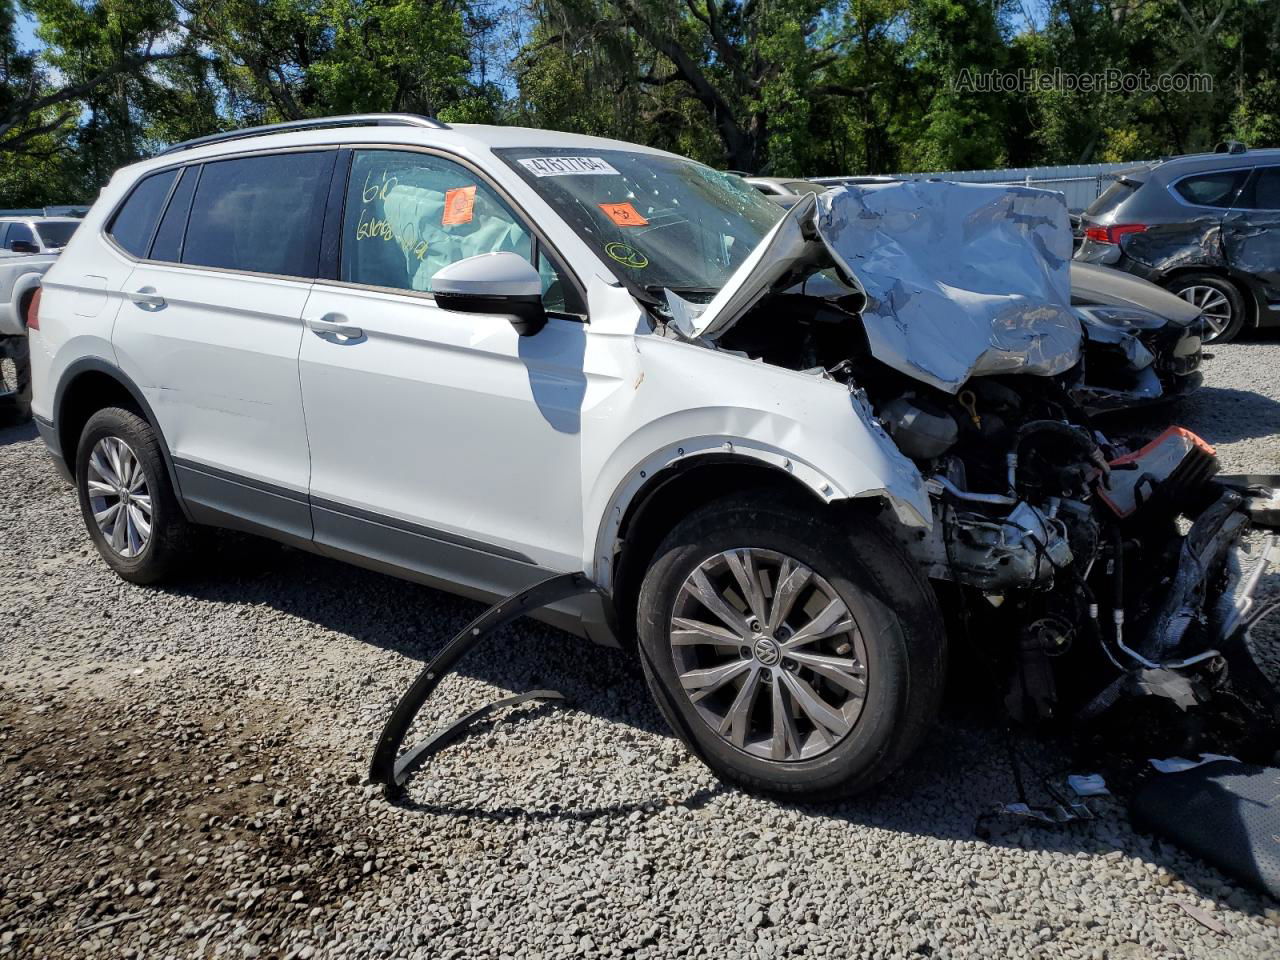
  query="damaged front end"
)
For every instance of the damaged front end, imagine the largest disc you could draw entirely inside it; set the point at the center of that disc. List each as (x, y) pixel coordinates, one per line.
(1142, 344)
(1087, 566)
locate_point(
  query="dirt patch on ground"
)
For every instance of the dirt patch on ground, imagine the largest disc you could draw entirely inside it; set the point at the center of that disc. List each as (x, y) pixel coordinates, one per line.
(116, 817)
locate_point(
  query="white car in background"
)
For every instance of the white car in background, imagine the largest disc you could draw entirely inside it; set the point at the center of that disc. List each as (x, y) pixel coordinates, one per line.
(28, 247)
(477, 356)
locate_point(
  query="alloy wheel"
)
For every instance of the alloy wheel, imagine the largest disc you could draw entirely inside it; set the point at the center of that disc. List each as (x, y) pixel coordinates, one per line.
(768, 654)
(1214, 307)
(119, 496)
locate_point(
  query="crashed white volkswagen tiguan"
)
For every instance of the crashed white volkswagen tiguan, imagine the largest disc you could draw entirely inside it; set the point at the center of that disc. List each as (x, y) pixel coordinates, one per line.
(474, 356)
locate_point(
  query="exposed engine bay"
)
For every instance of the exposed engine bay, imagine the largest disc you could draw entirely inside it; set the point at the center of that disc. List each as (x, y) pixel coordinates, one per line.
(1090, 566)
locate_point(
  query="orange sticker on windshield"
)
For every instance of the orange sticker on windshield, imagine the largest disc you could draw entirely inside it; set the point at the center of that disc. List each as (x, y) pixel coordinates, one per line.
(458, 205)
(623, 214)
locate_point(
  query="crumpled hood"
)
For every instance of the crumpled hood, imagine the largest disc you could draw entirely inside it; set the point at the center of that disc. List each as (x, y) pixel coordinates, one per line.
(960, 279)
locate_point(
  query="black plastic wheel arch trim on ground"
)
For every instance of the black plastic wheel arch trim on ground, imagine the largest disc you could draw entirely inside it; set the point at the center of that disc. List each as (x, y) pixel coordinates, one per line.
(389, 767)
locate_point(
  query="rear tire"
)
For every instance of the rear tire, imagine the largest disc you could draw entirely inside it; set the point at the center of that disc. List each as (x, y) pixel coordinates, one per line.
(1221, 301)
(127, 499)
(887, 638)
(15, 379)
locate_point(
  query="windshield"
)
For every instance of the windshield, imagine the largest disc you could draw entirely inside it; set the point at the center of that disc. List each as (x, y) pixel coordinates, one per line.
(660, 221)
(56, 233)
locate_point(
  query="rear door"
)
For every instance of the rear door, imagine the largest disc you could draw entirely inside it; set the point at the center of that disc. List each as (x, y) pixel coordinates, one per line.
(211, 327)
(1251, 233)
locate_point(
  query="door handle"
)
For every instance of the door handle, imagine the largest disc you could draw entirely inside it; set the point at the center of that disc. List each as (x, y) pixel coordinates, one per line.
(147, 298)
(330, 328)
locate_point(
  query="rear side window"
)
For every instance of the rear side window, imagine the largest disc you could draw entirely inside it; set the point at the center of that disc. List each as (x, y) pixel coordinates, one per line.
(1265, 190)
(1210, 189)
(135, 222)
(168, 242)
(56, 233)
(261, 214)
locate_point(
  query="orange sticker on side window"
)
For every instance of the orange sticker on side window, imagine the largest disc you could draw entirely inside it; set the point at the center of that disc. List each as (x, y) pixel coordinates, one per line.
(623, 214)
(458, 206)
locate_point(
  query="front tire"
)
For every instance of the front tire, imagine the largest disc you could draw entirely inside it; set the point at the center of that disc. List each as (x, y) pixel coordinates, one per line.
(127, 499)
(794, 655)
(1220, 302)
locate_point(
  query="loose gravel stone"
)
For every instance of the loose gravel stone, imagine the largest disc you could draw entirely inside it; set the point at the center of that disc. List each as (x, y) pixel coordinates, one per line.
(182, 776)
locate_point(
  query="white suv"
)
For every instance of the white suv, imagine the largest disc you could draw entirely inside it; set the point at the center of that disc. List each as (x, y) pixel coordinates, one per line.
(468, 356)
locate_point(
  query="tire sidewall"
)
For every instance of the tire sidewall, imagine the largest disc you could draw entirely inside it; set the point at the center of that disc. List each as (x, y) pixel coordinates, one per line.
(871, 749)
(1229, 290)
(127, 426)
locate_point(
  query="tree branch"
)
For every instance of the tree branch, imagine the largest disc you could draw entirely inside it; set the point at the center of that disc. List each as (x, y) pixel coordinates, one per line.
(30, 104)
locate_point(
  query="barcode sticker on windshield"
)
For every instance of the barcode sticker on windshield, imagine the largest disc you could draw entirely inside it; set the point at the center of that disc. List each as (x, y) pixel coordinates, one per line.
(567, 166)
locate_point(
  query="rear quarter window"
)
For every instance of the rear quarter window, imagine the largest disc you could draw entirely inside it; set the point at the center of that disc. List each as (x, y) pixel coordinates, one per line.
(135, 221)
(168, 242)
(1216, 189)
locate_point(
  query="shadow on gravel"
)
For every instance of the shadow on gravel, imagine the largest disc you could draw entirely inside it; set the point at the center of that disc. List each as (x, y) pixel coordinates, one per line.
(1231, 415)
(695, 801)
(16, 432)
(950, 789)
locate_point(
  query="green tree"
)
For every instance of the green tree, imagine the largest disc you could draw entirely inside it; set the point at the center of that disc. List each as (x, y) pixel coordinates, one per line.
(756, 70)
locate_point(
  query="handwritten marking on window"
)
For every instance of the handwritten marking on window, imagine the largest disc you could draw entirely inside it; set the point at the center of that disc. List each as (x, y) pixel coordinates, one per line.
(405, 237)
(379, 190)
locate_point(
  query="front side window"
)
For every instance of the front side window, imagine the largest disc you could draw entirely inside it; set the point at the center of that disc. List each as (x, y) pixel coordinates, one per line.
(409, 214)
(135, 222)
(262, 214)
(660, 221)
(1210, 189)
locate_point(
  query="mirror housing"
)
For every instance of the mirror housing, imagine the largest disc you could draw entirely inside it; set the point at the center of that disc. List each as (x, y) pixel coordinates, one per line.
(498, 284)
(23, 246)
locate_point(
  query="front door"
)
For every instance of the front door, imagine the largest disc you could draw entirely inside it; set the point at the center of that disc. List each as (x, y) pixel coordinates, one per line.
(441, 443)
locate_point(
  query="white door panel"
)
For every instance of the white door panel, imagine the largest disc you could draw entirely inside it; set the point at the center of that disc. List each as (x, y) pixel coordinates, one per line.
(449, 421)
(216, 355)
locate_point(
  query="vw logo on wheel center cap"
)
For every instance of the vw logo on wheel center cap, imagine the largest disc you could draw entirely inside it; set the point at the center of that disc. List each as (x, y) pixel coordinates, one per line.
(767, 651)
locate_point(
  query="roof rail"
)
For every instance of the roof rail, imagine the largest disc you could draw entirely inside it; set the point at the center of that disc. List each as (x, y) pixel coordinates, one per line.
(319, 123)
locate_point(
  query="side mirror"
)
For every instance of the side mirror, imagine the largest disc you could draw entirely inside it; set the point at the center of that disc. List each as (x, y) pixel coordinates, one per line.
(499, 284)
(23, 246)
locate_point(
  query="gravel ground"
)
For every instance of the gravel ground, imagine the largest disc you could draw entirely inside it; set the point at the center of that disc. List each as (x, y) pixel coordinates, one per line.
(182, 777)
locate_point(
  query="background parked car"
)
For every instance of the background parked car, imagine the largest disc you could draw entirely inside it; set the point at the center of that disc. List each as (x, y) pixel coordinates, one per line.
(27, 235)
(29, 245)
(1205, 226)
(1142, 343)
(783, 191)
